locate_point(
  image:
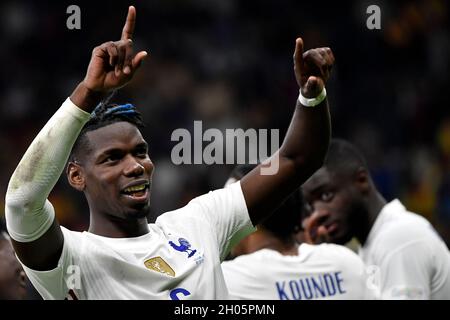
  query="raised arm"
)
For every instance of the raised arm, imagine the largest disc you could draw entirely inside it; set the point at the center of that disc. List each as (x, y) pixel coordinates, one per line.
(306, 142)
(37, 237)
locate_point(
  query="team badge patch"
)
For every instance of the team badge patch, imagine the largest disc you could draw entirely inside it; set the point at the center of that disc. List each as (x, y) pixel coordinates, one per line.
(183, 246)
(159, 265)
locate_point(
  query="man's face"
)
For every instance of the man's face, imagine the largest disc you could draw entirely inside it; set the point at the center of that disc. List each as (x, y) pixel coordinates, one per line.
(12, 277)
(118, 171)
(334, 202)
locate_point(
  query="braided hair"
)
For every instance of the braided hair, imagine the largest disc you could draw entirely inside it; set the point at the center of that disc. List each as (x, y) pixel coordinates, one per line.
(103, 115)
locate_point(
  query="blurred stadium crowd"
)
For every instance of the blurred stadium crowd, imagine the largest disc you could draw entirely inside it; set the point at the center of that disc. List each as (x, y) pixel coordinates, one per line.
(229, 64)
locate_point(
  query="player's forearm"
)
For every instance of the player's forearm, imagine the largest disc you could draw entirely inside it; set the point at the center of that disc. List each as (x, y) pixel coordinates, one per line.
(301, 154)
(85, 98)
(307, 138)
(43, 162)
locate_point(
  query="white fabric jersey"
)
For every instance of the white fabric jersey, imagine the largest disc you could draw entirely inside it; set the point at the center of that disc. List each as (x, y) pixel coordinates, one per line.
(178, 259)
(325, 271)
(408, 258)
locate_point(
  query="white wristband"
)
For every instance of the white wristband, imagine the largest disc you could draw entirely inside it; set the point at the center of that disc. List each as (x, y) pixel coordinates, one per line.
(312, 102)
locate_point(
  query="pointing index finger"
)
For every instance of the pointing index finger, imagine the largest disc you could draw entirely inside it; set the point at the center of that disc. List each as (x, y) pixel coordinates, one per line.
(298, 53)
(128, 29)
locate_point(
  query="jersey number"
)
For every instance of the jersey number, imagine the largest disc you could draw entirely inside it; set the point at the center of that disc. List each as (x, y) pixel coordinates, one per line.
(175, 292)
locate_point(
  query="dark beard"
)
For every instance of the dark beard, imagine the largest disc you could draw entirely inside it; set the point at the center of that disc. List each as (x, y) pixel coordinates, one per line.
(139, 212)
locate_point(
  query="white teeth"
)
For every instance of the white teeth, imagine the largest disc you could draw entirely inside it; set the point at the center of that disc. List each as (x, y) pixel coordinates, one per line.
(135, 188)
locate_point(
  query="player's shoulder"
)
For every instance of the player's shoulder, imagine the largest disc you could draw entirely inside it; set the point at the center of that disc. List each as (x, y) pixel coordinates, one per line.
(248, 265)
(334, 255)
(335, 251)
(213, 200)
(81, 240)
(187, 219)
(255, 259)
(257, 256)
(405, 228)
(72, 235)
(230, 191)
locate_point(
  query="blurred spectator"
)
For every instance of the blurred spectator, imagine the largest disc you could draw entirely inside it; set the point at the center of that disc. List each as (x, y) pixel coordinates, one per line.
(13, 284)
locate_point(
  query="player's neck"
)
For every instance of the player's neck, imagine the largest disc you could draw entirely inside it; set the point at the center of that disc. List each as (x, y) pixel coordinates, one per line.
(263, 239)
(375, 205)
(118, 228)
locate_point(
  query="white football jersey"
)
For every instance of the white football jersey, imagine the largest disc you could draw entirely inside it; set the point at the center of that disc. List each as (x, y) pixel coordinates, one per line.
(178, 259)
(325, 271)
(408, 258)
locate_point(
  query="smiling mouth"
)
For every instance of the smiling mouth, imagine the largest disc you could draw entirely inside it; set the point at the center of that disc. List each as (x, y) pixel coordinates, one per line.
(137, 192)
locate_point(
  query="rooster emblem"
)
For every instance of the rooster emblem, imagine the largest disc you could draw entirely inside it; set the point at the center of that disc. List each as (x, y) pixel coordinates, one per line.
(183, 246)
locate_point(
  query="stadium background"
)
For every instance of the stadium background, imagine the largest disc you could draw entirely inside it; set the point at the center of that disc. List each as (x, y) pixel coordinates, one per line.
(229, 64)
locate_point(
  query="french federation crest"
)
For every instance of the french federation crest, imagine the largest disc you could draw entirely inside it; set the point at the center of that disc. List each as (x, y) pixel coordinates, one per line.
(183, 246)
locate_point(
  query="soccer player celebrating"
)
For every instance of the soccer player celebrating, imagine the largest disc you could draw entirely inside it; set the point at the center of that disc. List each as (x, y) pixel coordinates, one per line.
(406, 256)
(269, 264)
(121, 256)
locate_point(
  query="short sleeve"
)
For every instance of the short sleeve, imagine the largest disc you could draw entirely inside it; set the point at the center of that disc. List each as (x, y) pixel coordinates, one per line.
(55, 284)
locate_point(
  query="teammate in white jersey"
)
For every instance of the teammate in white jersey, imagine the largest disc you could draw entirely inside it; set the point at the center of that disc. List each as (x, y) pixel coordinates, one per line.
(269, 264)
(405, 256)
(121, 256)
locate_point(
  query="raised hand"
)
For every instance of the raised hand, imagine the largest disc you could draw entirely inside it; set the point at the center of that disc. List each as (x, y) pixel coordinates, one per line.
(113, 64)
(312, 68)
(315, 233)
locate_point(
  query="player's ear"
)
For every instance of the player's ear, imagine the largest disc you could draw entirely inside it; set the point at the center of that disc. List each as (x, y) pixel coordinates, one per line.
(75, 176)
(362, 180)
